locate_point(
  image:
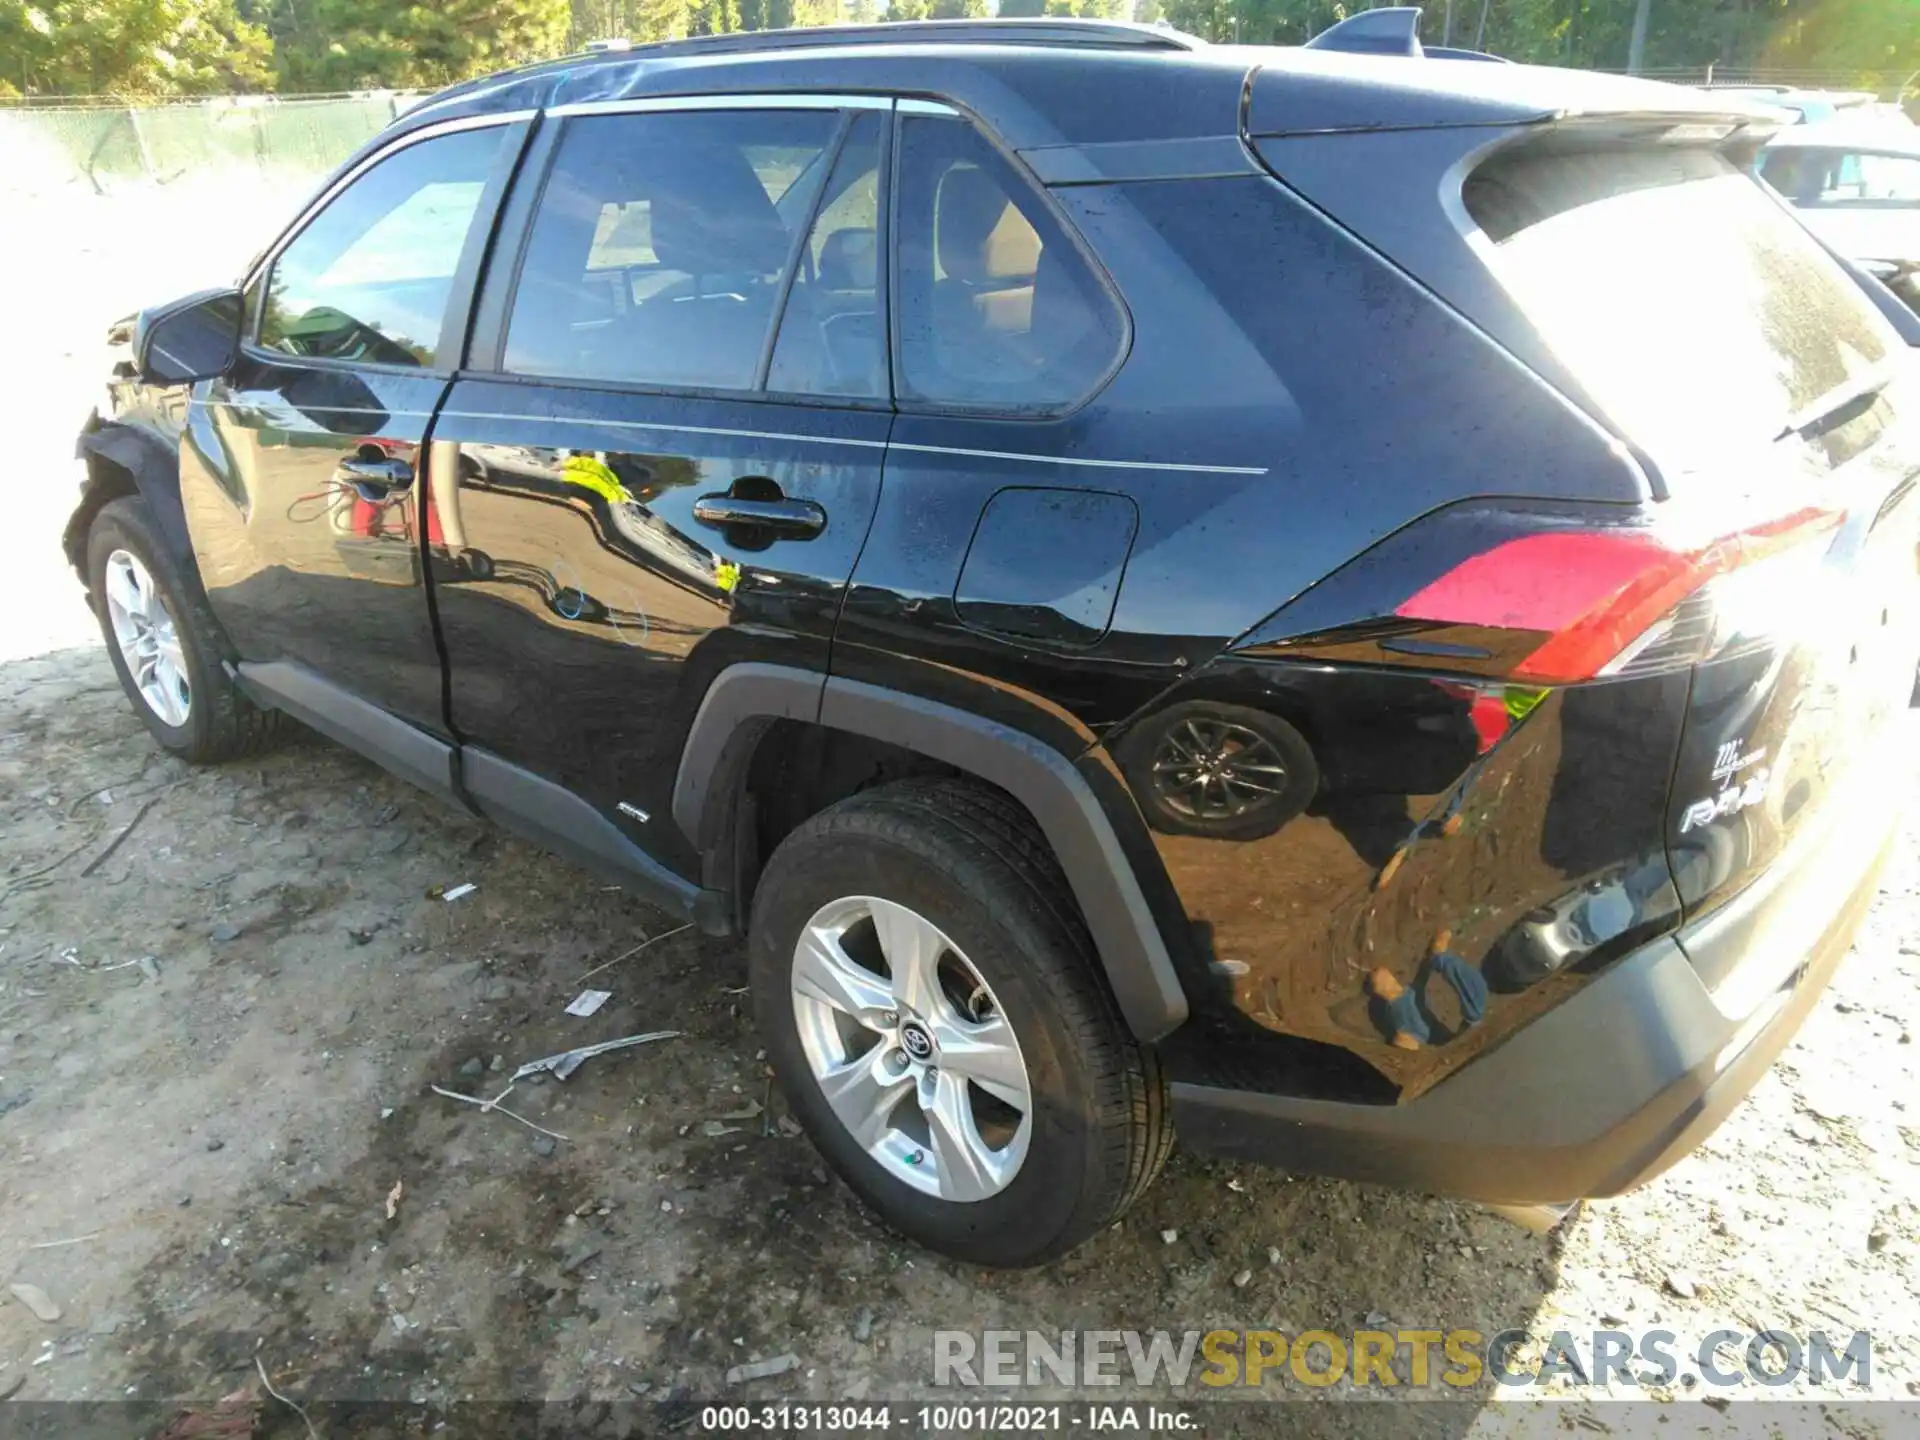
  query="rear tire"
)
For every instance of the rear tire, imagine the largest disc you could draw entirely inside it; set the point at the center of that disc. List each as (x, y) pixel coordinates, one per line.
(165, 644)
(964, 870)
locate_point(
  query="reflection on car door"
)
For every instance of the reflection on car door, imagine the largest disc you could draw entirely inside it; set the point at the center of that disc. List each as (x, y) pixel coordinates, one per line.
(299, 471)
(624, 503)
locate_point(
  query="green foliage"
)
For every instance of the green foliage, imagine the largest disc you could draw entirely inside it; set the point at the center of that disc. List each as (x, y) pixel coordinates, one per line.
(155, 48)
(640, 21)
(713, 17)
(1256, 22)
(133, 49)
(1876, 40)
(351, 44)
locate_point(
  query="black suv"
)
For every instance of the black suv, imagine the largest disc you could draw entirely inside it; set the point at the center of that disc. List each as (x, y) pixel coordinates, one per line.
(1347, 607)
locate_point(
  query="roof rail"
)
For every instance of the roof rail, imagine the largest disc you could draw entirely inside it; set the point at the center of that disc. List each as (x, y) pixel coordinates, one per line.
(1040, 30)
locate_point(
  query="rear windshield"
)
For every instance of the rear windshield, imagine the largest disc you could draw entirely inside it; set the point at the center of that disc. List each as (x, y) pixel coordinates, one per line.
(1699, 314)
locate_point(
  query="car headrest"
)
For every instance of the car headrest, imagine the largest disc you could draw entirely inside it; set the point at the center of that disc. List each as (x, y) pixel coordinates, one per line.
(850, 259)
(711, 215)
(981, 238)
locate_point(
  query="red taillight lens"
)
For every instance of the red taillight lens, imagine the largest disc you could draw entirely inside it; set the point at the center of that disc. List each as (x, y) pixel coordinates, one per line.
(1596, 595)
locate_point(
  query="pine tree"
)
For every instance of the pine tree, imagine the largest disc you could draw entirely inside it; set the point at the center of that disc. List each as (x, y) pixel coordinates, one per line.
(357, 43)
(713, 17)
(649, 20)
(133, 49)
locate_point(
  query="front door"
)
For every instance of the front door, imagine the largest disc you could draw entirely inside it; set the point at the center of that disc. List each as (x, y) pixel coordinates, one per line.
(300, 477)
(667, 458)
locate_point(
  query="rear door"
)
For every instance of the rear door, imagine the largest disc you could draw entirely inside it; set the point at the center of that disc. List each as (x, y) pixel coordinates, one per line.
(666, 452)
(299, 475)
(995, 545)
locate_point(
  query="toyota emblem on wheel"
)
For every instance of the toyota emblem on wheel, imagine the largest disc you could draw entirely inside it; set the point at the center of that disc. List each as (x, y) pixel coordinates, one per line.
(916, 1042)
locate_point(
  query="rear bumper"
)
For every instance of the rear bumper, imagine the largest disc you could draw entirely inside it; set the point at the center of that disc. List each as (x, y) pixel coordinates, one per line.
(1607, 1090)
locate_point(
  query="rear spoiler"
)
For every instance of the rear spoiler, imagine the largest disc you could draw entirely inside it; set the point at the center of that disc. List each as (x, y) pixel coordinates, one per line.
(1394, 30)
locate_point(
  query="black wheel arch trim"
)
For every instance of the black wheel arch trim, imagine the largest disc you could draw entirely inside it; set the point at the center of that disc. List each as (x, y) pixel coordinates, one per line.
(154, 470)
(745, 698)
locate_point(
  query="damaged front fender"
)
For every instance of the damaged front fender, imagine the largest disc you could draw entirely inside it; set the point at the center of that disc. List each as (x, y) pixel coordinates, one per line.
(123, 459)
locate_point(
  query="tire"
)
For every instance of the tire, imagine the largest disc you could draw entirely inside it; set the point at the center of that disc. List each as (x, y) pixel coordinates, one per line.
(970, 863)
(1282, 761)
(215, 720)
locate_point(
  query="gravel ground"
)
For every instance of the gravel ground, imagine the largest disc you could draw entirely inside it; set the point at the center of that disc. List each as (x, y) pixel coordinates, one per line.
(219, 1150)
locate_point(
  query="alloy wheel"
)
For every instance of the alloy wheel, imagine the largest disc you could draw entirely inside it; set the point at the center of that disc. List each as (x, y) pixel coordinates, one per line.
(1212, 770)
(910, 1049)
(149, 641)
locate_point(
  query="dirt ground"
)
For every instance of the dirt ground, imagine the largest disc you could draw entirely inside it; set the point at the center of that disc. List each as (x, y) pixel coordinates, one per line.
(224, 995)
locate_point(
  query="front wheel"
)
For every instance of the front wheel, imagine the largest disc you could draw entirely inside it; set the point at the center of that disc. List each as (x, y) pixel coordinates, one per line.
(164, 642)
(930, 999)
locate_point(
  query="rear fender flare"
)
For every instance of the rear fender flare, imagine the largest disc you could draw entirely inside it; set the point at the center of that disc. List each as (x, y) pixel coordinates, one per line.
(742, 700)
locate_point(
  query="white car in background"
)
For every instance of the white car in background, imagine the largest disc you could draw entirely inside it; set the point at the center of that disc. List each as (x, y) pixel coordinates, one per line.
(1855, 182)
(1803, 107)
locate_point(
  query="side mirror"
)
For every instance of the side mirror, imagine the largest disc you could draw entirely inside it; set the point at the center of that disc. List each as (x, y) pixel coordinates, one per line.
(192, 339)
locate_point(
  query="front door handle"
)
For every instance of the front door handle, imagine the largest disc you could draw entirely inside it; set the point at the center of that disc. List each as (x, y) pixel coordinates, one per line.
(789, 519)
(374, 480)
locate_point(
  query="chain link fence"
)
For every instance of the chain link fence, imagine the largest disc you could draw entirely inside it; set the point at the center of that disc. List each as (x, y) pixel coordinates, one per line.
(106, 148)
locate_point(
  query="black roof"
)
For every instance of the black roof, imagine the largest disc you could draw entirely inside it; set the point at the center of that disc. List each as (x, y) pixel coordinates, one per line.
(1045, 82)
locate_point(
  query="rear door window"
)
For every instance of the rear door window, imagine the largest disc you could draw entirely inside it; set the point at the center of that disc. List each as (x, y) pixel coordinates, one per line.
(1868, 179)
(832, 339)
(661, 245)
(1698, 313)
(1837, 179)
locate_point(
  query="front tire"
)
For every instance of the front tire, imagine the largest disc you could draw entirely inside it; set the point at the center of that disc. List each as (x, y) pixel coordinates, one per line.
(164, 642)
(931, 1002)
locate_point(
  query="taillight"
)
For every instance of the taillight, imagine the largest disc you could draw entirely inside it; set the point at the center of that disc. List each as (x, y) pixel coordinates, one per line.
(1616, 602)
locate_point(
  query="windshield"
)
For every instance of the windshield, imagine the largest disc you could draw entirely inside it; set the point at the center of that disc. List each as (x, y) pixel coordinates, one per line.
(1699, 314)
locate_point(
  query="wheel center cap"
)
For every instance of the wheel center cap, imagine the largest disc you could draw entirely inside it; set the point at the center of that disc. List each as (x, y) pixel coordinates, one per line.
(916, 1041)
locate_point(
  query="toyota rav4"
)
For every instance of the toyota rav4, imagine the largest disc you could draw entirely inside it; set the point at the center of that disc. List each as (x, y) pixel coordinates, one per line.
(1347, 607)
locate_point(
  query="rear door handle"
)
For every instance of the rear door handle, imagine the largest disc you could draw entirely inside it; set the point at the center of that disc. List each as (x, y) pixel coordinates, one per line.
(789, 519)
(374, 480)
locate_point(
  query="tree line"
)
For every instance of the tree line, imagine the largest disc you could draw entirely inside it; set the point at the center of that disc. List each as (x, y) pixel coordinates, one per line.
(154, 49)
